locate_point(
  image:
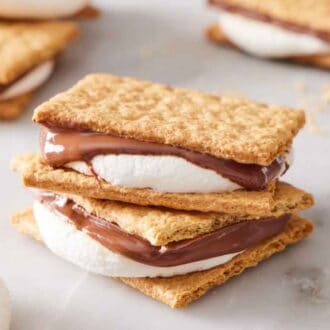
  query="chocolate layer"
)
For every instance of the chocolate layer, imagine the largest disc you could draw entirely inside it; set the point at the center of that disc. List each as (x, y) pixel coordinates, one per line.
(230, 239)
(247, 12)
(60, 147)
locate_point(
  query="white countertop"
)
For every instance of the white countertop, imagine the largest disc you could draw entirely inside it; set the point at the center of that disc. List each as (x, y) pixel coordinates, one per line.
(163, 41)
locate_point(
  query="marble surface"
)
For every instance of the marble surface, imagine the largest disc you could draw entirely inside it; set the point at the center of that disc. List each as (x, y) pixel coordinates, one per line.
(163, 41)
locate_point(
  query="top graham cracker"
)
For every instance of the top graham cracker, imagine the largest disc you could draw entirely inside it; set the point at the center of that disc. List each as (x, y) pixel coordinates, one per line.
(242, 130)
(25, 45)
(312, 14)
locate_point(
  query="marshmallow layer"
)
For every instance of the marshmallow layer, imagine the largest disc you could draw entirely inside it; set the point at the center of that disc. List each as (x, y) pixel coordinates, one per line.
(75, 246)
(161, 173)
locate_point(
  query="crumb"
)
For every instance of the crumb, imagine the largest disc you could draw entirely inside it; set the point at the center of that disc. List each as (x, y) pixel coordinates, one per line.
(326, 95)
(314, 105)
(312, 125)
(309, 284)
(301, 87)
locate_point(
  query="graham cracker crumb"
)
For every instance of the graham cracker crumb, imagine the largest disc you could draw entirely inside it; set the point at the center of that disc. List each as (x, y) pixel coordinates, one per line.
(326, 95)
(301, 87)
(315, 103)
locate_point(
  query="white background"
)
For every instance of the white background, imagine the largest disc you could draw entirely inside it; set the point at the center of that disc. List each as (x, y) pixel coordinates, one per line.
(163, 41)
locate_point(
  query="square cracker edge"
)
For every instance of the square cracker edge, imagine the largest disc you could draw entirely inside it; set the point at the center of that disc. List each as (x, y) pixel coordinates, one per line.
(180, 291)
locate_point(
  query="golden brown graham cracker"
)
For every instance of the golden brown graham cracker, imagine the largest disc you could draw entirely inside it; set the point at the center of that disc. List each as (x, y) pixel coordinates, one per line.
(161, 226)
(313, 14)
(180, 291)
(242, 130)
(214, 34)
(35, 173)
(25, 45)
(13, 108)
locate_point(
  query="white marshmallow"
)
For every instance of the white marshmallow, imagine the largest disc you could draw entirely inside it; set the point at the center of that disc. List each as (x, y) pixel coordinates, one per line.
(5, 307)
(161, 173)
(40, 9)
(77, 247)
(30, 81)
(268, 40)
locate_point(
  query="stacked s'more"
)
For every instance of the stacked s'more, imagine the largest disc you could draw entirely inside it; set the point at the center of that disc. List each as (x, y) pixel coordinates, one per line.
(28, 54)
(297, 31)
(170, 190)
(32, 35)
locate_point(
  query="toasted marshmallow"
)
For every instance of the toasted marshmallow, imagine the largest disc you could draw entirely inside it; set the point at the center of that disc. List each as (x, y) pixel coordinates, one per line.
(159, 173)
(74, 245)
(268, 40)
(40, 9)
(5, 307)
(30, 81)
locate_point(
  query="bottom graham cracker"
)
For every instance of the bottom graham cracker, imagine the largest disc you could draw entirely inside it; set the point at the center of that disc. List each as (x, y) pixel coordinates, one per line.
(13, 108)
(180, 291)
(214, 34)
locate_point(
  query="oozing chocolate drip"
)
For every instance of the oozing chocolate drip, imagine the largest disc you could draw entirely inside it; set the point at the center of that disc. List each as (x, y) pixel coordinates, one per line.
(230, 239)
(247, 12)
(60, 147)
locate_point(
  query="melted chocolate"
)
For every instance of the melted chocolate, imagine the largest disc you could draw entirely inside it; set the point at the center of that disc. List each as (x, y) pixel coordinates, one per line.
(60, 147)
(247, 12)
(230, 239)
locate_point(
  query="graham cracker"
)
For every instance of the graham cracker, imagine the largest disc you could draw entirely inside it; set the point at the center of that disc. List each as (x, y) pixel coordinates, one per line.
(13, 108)
(180, 291)
(231, 128)
(305, 13)
(35, 173)
(24, 45)
(161, 226)
(214, 34)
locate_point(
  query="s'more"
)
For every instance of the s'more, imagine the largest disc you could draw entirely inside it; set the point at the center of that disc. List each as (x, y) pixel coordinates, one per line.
(139, 142)
(298, 31)
(169, 190)
(172, 256)
(28, 54)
